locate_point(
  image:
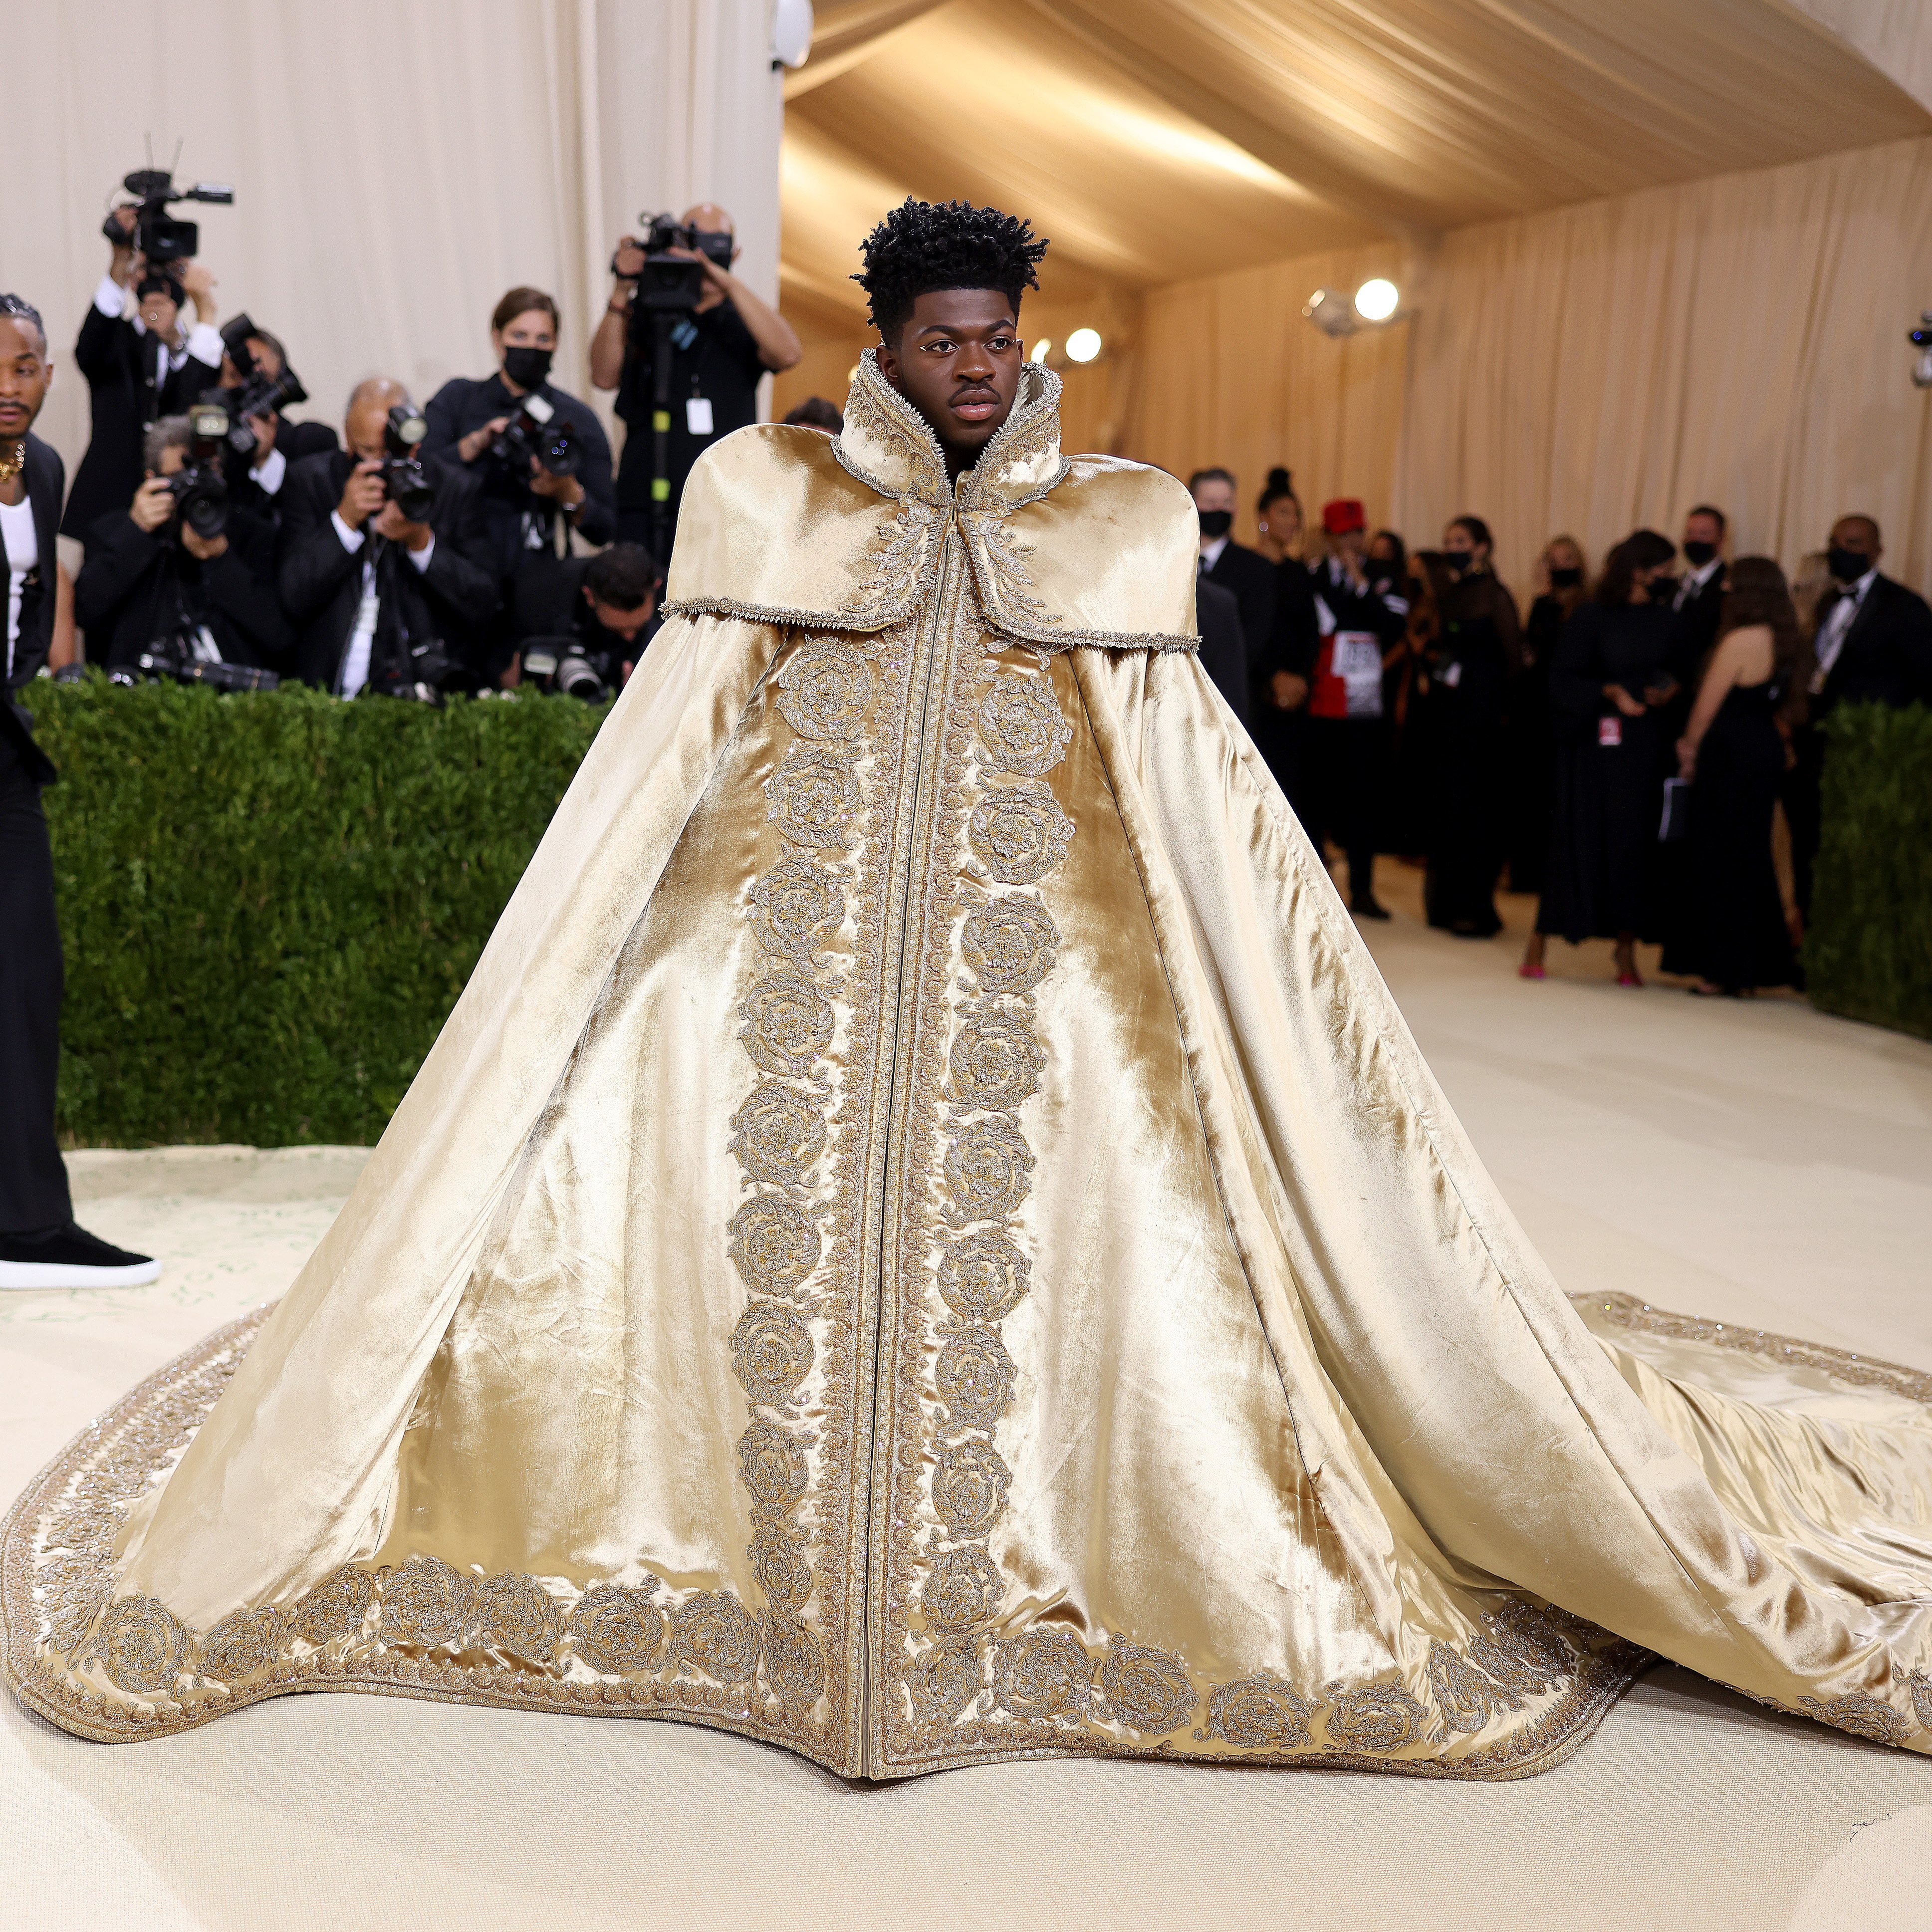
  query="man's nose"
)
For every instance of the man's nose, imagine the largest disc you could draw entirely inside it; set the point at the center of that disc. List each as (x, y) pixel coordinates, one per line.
(973, 363)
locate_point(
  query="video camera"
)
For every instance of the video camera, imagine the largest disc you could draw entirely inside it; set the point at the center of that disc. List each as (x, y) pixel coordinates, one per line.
(199, 490)
(668, 281)
(259, 395)
(156, 234)
(535, 431)
(404, 476)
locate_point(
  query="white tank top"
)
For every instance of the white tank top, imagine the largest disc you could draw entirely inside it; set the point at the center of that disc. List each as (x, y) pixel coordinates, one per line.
(23, 552)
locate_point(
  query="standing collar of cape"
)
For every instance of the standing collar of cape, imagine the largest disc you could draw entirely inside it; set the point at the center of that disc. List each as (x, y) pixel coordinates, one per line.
(782, 524)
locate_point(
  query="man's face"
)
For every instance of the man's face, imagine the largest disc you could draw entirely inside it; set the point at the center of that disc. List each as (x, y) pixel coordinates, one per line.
(174, 460)
(957, 362)
(1214, 493)
(1348, 543)
(25, 373)
(362, 431)
(619, 621)
(1855, 534)
(1703, 528)
(532, 329)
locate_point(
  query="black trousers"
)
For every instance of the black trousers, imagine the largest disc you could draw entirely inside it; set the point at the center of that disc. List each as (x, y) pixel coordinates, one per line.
(1345, 761)
(33, 1180)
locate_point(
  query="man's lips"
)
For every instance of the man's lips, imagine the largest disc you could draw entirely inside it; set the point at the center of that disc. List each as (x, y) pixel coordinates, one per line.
(975, 405)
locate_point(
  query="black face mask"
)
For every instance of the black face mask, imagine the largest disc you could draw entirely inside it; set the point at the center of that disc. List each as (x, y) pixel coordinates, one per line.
(1216, 523)
(1564, 580)
(527, 367)
(1846, 565)
(1699, 554)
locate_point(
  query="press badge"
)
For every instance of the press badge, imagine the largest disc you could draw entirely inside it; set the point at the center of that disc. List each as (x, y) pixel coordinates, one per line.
(1610, 730)
(698, 415)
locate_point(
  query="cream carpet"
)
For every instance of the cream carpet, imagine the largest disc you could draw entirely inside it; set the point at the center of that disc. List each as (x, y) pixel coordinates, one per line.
(1753, 1162)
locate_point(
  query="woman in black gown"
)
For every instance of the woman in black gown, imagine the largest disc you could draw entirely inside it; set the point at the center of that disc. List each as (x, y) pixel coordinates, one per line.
(1476, 659)
(1529, 755)
(1731, 932)
(1610, 685)
(1278, 687)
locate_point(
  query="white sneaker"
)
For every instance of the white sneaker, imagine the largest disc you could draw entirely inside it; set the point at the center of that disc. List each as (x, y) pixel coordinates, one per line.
(71, 1257)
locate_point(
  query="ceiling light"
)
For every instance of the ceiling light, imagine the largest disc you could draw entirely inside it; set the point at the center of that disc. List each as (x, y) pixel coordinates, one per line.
(1375, 300)
(1040, 350)
(1083, 345)
(1331, 312)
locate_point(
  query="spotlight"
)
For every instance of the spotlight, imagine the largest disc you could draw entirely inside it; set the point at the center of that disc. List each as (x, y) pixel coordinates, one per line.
(1331, 312)
(1083, 345)
(1921, 339)
(1375, 301)
(1041, 350)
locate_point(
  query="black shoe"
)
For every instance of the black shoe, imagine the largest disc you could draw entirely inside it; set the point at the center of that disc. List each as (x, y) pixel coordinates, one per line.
(71, 1257)
(1368, 909)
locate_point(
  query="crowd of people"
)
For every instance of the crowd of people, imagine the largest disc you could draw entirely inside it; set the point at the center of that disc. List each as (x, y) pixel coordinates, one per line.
(1625, 750)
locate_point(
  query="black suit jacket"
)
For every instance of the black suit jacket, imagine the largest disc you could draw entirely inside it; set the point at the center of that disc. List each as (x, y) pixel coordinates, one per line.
(321, 582)
(135, 587)
(1224, 651)
(121, 366)
(46, 477)
(295, 440)
(1250, 576)
(1886, 657)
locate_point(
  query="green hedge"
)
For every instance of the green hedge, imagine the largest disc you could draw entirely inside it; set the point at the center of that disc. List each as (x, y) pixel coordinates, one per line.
(271, 902)
(1868, 955)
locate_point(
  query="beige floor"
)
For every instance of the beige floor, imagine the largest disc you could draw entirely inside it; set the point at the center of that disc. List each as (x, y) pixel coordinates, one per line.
(1758, 1162)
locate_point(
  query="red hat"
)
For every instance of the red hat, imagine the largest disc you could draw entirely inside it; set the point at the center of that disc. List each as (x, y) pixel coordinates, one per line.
(1344, 514)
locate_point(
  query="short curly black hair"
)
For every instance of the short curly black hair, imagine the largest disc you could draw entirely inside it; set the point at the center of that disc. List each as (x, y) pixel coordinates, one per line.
(923, 245)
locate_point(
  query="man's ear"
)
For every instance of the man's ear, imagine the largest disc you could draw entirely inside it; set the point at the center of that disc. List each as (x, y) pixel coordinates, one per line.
(889, 362)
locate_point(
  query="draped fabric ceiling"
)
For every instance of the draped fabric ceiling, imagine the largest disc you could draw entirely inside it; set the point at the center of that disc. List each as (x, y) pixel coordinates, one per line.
(1212, 161)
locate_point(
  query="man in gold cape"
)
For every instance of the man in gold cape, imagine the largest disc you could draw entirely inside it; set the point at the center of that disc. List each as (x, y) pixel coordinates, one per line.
(926, 1240)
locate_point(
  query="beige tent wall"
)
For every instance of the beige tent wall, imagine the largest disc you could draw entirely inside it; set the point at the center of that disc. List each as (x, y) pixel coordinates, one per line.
(1740, 339)
(396, 169)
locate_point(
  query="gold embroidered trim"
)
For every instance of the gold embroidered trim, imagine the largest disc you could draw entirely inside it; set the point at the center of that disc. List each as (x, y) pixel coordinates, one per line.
(1625, 1311)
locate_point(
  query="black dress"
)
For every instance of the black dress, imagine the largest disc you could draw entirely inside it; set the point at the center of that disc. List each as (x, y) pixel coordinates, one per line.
(1732, 929)
(1281, 736)
(1466, 704)
(1601, 881)
(1529, 755)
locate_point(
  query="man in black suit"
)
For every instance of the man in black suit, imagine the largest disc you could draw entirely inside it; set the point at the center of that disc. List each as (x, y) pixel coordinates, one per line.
(39, 1245)
(255, 482)
(141, 364)
(150, 577)
(1699, 601)
(602, 608)
(379, 600)
(1246, 573)
(1873, 646)
(1224, 651)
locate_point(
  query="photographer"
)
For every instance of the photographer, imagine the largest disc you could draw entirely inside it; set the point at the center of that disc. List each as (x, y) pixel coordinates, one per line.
(176, 577)
(40, 1247)
(253, 361)
(582, 626)
(140, 365)
(538, 486)
(720, 349)
(384, 594)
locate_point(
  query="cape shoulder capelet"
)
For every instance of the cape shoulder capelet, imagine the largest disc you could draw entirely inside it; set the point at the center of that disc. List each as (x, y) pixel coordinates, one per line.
(925, 1240)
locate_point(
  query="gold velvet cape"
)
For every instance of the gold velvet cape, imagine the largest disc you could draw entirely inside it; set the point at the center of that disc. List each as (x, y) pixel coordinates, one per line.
(925, 1240)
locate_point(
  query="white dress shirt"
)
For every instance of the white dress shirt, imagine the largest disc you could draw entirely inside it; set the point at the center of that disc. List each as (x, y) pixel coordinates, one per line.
(1694, 580)
(362, 639)
(23, 553)
(267, 474)
(1837, 626)
(1211, 555)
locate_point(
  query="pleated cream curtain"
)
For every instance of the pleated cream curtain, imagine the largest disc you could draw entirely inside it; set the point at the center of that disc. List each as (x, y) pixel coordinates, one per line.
(1739, 339)
(396, 169)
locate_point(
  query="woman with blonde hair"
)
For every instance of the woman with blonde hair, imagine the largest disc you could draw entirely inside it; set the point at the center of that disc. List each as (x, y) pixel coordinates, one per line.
(1732, 933)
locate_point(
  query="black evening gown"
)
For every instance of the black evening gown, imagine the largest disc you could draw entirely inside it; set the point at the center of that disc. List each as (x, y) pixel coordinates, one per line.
(1529, 755)
(1467, 697)
(1731, 927)
(1601, 878)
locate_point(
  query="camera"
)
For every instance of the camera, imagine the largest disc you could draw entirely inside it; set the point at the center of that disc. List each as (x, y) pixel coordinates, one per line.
(668, 282)
(404, 475)
(426, 671)
(259, 395)
(173, 657)
(198, 489)
(156, 234)
(534, 430)
(561, 664)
